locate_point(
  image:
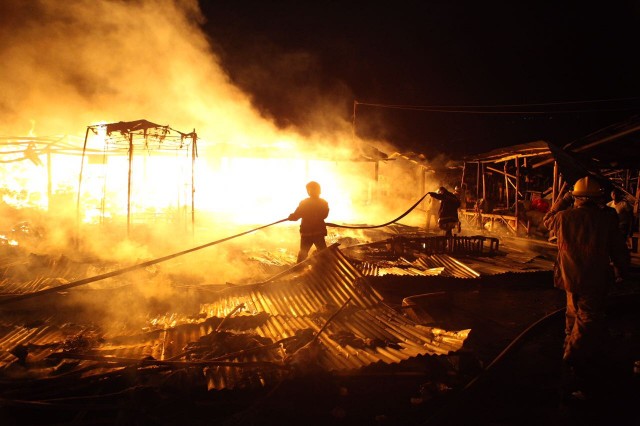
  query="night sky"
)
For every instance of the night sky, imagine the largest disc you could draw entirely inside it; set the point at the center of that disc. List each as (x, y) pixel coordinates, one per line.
(464, 77)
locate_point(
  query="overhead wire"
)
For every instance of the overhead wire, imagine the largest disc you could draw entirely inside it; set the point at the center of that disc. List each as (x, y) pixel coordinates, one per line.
(486, 109)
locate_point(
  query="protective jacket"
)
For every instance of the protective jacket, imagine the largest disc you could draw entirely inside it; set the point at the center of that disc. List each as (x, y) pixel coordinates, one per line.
(313, 212)
(588, 239)
(449, 204)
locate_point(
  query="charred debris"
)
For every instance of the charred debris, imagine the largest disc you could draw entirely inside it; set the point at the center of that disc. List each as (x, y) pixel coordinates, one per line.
(383, 307)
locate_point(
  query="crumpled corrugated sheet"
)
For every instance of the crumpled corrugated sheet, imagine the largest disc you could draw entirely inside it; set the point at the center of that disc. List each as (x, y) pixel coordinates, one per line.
(321, 315)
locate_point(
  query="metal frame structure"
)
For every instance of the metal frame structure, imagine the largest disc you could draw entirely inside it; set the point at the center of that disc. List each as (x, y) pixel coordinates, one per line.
(136, 135)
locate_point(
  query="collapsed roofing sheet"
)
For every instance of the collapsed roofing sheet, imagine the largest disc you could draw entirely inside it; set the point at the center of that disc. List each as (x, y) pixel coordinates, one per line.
(457, 257)
(320, 315)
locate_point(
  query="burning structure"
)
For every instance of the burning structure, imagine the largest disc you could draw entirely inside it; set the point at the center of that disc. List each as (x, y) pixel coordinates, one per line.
(99, 325)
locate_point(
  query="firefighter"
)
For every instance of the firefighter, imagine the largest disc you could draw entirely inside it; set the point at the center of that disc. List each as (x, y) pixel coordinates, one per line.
(448, 211)
(313, 211)
(588, 240)
(433, 206)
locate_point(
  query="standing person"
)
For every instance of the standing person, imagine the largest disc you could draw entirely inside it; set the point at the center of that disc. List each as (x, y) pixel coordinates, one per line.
(433, 206)
(461, 193)
(313, 211)
(448, 211)
(625, 214)
(588, 240)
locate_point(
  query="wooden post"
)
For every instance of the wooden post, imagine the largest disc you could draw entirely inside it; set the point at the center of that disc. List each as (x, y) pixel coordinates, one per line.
(464, 167)
(423, 185)
(484, 185)
(478, 183)
(506, 186)
(517, 191)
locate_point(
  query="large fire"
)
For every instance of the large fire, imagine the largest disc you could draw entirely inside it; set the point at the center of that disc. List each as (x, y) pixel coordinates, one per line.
(237, 186)
(162, 66)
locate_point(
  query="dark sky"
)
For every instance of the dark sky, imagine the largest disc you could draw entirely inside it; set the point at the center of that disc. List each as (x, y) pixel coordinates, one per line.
(513, 72)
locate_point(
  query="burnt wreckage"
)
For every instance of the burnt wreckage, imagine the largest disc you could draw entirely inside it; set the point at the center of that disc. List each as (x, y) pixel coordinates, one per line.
(321, 316)
(383, 302)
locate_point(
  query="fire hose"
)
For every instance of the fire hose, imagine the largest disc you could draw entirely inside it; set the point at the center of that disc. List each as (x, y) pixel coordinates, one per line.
(174, 255)
(127, 269)
(333, 225)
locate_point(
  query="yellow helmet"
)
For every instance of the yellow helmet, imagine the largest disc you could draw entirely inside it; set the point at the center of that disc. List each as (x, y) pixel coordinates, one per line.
(587, 187)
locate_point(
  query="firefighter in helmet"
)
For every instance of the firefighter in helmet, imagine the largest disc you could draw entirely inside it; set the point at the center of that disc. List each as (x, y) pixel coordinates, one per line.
(313, 211)
(448, 212)
(588, 240)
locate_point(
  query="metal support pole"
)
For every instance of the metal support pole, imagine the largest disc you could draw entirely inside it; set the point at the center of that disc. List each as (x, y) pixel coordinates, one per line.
(194, 154)
(49, 184)
(84, 150)
(129, 185)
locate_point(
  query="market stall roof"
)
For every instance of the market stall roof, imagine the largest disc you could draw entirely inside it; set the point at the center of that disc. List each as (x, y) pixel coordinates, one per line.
(572, 165)
(615, 146)
(531, 149)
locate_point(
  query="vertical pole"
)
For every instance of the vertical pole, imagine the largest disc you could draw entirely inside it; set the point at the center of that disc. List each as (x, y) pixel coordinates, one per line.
(635, 206)
(506, 186)
(554, 193)
(626, 180)
(129, 185)
(526, 177)
(517, 192)
(49, 191)
(478, 183)
(423, 183)
(484, 184)
(84, 150)
(376, 188)
(194, 154)
(464, 168)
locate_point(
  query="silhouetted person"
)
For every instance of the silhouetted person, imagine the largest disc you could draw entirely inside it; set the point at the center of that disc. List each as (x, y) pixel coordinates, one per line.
(625, 213)
(461, 193)
(313, 211)
(433, 206)
(588, 240)
(448, 212)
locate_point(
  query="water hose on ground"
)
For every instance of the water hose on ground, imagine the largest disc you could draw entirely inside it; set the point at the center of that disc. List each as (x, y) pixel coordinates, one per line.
(127, 269)
(454, 404)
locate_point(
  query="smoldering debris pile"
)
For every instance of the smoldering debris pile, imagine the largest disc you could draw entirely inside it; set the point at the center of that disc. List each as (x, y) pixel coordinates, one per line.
(319, 316)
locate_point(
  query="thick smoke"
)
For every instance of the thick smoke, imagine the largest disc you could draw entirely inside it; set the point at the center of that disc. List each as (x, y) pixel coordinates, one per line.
(67, 65)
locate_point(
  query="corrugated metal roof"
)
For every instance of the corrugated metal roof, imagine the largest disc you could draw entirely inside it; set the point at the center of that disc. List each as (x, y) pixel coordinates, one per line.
(435, 256)
(452, 266)
(325, 297)
(508, 264)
